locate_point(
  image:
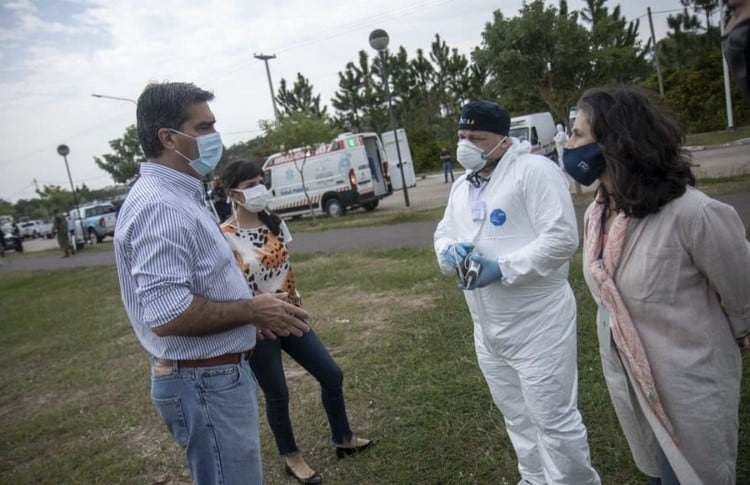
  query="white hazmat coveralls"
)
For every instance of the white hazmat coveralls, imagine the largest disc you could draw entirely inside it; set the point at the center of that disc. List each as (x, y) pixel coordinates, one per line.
(525, 324)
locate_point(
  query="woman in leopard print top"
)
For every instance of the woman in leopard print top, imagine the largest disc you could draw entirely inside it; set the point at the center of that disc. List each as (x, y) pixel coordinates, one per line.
(259, 240)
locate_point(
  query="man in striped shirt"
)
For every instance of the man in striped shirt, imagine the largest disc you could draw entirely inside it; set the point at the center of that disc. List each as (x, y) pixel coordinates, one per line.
(186, 299)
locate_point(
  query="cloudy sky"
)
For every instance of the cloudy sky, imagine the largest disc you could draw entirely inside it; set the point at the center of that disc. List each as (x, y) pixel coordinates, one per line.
(54, 54)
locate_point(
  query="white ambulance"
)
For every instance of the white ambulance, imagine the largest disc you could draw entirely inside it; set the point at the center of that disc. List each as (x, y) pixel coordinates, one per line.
(348, 173)
(538, 129)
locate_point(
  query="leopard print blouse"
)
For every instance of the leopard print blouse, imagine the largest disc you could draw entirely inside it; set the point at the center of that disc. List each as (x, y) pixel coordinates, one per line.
(263, 258)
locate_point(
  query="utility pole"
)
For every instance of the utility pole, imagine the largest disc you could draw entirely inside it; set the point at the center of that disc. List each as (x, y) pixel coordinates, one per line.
(44, 207)
(727, 88)
(265, 58)
(656, 53)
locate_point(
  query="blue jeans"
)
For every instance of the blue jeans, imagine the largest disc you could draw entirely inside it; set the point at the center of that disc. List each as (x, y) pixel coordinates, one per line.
(212, 412)
(448, 169)
(311, 354)
(668, 476)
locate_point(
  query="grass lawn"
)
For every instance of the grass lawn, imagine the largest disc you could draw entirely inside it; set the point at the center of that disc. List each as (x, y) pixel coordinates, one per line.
(75, 405)
(718, 137)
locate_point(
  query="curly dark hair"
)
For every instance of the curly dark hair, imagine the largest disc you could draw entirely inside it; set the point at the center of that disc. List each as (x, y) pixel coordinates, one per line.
(642, 144)
(241, 170)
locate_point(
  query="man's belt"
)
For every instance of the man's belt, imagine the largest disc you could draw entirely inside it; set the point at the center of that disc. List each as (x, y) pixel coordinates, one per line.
(234, 358)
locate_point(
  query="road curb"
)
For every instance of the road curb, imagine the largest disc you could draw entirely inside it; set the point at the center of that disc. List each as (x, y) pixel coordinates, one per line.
(698, 148)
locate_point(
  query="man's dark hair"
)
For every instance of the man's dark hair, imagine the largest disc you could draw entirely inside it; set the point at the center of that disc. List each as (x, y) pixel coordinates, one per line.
(165, 105)
(642, 144)
(241, 170)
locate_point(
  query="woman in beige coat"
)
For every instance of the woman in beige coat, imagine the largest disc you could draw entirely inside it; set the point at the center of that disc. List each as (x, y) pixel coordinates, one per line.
(669, 269)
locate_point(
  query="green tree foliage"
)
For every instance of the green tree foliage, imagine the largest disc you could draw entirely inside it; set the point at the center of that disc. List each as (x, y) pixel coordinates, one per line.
(706, 7)
(696, 93)
(427, 93)
(123, 164)
(688, 41)
(6, 208)
(691, 61)
(300, 98)
(255, 150)
(54, 197)
(616, 50)
(356, 96)
(543, 59)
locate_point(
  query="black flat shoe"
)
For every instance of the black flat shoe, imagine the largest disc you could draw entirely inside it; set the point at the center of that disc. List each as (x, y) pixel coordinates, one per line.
(312, 479)
(343, 452)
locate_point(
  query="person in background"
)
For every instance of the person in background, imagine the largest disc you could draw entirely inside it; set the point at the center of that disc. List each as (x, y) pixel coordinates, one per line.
(219, 199)
(735, 44)
(669, 269)
(2, 246)
(260, 240)
(61, 232)
(536, 147)
(561, 138)
(186, 300)
(445, 157)
(511, 214)
(19, 239)
(71, 233)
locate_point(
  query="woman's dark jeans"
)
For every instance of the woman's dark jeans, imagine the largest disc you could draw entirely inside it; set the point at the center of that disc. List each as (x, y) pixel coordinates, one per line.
(311, 354)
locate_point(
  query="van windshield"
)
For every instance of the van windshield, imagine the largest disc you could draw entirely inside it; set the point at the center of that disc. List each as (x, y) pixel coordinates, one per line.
(521, 133)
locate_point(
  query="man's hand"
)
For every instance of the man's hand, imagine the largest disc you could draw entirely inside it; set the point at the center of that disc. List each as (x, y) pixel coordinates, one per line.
(274, 316)
(489, 272)
(456, 253)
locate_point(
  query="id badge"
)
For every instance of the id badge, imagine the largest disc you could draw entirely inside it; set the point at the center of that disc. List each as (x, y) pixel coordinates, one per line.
(477, 210)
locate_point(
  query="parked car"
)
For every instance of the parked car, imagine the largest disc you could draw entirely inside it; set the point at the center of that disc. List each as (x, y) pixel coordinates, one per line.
(45, 229)
(29, 229)
(10, 240)
(98, 220)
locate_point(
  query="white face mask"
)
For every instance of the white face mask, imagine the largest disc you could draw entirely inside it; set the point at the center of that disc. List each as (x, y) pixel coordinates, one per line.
(471, 157)
(256, 198)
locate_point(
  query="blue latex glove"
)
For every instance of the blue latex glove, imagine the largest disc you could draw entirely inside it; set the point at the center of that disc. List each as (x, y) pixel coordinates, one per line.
(456, 253)
(489, 273)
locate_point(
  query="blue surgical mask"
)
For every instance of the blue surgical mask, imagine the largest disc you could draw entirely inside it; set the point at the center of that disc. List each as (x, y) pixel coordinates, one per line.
(210, 149)
(584, 163)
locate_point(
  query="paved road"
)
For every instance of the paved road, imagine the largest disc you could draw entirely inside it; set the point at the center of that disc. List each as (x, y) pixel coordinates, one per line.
(430, 192)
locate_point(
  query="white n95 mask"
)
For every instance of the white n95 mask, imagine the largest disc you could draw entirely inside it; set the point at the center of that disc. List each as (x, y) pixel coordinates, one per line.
(256, 198)
(471, 157)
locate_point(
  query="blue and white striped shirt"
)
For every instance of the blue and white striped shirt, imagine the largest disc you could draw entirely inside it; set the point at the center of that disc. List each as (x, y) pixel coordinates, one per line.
(167, 249)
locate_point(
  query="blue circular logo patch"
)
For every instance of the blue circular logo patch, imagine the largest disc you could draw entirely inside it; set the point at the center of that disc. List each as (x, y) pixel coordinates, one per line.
(497, 218)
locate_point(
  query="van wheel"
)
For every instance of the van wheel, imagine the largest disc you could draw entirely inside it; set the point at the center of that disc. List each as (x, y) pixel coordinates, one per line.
(93, 236)
(371, 206)
(334, 208)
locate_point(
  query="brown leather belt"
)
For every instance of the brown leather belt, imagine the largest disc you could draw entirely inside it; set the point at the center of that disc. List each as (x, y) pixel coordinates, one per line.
(225, 359)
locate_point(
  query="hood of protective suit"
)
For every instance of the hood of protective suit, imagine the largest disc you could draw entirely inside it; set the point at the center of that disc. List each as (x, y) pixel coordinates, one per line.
(519, 147)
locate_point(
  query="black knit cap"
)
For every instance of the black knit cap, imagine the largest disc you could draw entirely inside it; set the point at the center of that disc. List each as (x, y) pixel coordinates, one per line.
(485, 116)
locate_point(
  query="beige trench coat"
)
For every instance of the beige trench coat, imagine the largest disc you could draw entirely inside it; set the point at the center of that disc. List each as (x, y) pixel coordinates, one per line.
(685, 278)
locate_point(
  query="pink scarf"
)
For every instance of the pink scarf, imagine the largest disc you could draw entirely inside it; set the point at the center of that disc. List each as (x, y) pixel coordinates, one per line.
(624, 332)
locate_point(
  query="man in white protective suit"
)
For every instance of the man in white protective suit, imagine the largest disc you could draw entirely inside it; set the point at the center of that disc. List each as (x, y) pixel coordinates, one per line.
(511, 214)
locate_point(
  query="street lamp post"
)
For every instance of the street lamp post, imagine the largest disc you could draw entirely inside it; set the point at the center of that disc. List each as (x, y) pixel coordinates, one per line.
(63, 151)
(379, 42)
(265, 58)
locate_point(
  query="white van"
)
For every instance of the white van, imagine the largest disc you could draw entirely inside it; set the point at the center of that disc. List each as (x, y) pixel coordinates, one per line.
(347, 173)
(538, 127)
(407, 164)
